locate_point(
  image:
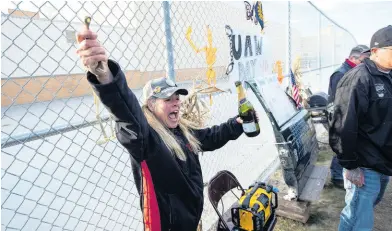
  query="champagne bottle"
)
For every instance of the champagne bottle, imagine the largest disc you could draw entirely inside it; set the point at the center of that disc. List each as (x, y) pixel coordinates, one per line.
(247, 113)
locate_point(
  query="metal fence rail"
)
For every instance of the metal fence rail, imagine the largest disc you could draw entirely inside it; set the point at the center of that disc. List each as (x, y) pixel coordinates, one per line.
(62, 167)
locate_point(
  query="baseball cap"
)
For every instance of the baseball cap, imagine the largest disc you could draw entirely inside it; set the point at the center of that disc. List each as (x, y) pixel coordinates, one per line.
(161, 88)
(382, 38)
(359, 49)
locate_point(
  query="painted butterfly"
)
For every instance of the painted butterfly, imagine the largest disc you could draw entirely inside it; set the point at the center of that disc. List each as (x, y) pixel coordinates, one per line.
(255, 13)
(250, 12)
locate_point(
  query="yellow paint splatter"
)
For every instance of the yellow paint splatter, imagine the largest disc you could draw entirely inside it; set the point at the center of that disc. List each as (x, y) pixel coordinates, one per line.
(210, 53)
(279, 70)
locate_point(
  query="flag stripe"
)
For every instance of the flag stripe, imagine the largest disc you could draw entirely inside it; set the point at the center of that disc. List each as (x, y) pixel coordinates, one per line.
(294, 90)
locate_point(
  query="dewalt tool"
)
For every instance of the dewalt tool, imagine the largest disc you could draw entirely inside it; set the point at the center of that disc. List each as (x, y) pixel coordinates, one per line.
(256, 209)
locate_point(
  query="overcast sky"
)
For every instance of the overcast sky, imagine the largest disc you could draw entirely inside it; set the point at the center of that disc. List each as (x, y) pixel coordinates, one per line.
(361, 18)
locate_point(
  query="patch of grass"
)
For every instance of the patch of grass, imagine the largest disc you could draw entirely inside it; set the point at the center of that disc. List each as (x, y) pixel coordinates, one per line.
(324, 157)
(324, 214)
(285, 224)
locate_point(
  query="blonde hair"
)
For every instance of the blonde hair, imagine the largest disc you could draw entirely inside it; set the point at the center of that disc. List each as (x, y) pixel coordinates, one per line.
(168, 137)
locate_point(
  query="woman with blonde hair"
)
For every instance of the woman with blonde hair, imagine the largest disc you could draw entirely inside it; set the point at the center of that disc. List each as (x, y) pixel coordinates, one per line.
(162, 145)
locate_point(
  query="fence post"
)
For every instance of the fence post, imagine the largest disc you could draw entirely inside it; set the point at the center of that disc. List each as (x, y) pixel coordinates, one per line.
(169, 44)
(319, 45)
(288, 42)
(334, 44)
(319, 41)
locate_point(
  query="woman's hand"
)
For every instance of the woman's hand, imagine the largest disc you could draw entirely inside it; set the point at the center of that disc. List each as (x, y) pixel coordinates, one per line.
(240, 121)
(92, 54)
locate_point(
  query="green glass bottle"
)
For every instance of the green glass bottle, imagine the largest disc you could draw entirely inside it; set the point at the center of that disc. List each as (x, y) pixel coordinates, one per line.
(247, 113)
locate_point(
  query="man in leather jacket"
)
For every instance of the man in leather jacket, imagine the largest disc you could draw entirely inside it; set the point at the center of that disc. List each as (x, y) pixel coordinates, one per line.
(357, 55)
(361, 132)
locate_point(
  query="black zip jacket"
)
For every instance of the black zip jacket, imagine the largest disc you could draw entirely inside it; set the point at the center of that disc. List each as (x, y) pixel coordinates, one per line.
(171, 190)
(361, 126)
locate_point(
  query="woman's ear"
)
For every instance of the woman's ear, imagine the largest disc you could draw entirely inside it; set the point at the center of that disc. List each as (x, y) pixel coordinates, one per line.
(151, 104)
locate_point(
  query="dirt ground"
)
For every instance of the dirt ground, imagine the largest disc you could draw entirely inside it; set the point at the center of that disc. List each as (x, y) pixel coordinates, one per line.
(325, 212)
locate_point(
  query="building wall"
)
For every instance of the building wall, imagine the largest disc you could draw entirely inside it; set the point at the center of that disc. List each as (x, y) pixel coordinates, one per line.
(47, 88)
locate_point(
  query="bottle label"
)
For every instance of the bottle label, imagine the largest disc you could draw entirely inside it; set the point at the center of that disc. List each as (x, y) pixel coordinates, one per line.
(242, 101)
(249, 127)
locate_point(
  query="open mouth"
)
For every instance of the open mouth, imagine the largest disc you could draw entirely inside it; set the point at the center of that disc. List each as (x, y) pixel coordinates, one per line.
(174, 115)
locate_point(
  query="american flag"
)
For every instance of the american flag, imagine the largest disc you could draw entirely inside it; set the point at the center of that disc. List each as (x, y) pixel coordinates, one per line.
(294, 90)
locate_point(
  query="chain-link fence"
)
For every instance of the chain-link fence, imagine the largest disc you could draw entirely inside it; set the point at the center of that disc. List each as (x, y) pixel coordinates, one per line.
(62, 167)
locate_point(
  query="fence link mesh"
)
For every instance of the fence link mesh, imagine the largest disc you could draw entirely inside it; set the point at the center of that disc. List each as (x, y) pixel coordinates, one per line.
(62, 167)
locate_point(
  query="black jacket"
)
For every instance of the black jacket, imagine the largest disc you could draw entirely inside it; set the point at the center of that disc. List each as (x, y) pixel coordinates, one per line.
(361, 126)
(335, 78)
(171, 190)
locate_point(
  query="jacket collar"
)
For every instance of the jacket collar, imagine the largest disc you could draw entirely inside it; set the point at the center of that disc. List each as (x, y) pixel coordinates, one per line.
(351, 64)
(371, 66)
(176, 130)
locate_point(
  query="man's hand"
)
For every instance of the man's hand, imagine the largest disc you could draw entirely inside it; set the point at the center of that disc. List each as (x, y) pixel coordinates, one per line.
(355, 176)
(91, 52)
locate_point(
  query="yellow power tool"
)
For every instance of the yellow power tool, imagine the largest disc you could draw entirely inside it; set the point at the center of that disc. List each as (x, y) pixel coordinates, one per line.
(256, 209)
